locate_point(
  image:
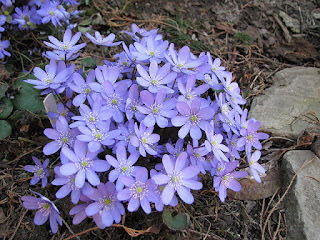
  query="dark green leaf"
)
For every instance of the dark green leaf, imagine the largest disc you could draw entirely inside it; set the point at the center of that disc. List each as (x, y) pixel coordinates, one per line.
(178, 222)
(29, 97)
(3, 88)
(6, 107)
(5, 129)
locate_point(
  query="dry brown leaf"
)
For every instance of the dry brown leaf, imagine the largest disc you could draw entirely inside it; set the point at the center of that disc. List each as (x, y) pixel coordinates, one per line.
(252, 190)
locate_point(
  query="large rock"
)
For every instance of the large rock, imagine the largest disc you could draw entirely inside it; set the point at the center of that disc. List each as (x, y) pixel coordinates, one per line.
(295, 91)
(303, 199)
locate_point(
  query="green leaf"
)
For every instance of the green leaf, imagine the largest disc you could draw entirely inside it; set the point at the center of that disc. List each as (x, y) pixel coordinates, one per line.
(82, 29)
(29, 97)
(244, 38)
(3, 88)
(177, 223)
(6, 107)
(5, 129)
(17, 115)
(89, 62)
(87, 2)
(85, 22)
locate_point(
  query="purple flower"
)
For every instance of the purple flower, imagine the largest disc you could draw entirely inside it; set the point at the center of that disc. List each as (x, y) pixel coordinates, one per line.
(40, 171)
(188, 92)
(156, 78)
(26, 19)
(144, 139)
(157, 109)
(62, 136)
(250, 136)
(115, 99)
(232, 140)
(197, 157)
(82, 87)
(192, 118)
(214, 143)
(123, 165)
(132, 104)
(95, 117)
(216, 69)
(3, 20)
(84, 164)
(97, 136)
(99, 40)
(144, 33)
(178, 178)
(150, 48)
(50, 11)
(72, 2)
(68, 185)
(62, 110)
(106, 204)
(126, 132)
(176, 149)
(138, 191)
(182, 61)
(68, 43)
(7, 3)
(255, 167)
(227, 180)
(158, 190)
(46, 209)
(53, 77)
(4, 44)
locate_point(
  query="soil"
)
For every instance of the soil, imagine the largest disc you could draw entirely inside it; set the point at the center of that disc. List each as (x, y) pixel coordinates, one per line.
(253, 42)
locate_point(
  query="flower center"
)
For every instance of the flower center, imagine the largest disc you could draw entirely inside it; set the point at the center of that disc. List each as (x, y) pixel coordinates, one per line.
(151, 54)
(65, 47)
(154, 82)
(139, 190)
(124, 168)
(193, 118)
(107, 201)
(180, 65)
(225, 178)
(175, 179)
(114, 101)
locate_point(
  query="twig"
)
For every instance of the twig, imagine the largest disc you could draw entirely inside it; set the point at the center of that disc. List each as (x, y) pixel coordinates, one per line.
(282, 197)
(18, 225)
(278, 227)
(284, 28)
(211, 236)
(17, 158)
(313, 178)
(81, 233)
(70, 230)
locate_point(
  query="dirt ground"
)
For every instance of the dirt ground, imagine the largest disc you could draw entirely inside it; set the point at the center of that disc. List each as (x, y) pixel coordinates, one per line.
(254, 40)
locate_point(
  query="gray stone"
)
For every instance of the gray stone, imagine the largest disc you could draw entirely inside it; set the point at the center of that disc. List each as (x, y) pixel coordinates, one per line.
(302, 202)
(295, 91)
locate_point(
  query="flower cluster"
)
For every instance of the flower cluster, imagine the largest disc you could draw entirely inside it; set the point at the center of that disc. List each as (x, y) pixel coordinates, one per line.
(124, 113)
(36, 12)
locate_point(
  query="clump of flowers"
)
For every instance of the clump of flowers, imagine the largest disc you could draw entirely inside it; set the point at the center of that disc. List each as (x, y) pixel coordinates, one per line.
(125, 112)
